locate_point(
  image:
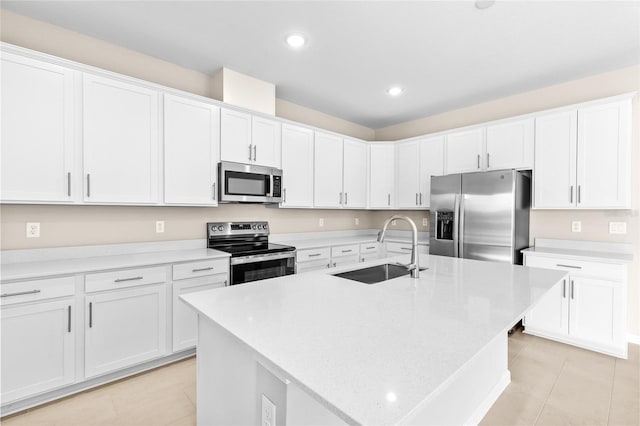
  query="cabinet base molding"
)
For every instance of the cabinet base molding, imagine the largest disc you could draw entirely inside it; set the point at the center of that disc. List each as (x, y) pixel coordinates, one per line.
(24, 404)
(619, 352)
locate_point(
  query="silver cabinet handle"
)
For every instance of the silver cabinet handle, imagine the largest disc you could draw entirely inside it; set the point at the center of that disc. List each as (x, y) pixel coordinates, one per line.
(347, 251)
(405, 248)
(388, 199)
(254, 153)
(478, 160)
(328, 265)
(69, 184)
(416, 198)
(69, 319)
(249, 152)
(200, 269)
(284, 195)
(119, 280)
(564, 289)
(370, 248)
(568, 266)
(214, 191)
(334, 264)
(571, 194)
(421, 198)
(226, 283)
(90, 314)
(572, 289)
(315, 254)
(88, 185)
(579, 193)
(341, 198)
(21, 293)
(346, 198)
(487, 160)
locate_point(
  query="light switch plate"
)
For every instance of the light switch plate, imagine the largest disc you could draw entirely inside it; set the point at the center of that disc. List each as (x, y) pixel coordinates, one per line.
(425, 221)
(33, 229)
(160, 226)
(321, 222)
(617, 227)
(268, 412)
(576, 226)
(357, 221)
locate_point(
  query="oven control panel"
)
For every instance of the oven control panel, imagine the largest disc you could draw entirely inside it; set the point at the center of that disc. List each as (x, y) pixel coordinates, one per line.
(237, 228)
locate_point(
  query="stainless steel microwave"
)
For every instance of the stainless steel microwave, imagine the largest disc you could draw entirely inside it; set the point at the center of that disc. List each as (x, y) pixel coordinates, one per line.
(248, 183)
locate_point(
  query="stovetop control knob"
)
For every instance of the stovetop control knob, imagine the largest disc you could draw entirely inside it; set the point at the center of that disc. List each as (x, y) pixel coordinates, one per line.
(254, 227)
(220, 228)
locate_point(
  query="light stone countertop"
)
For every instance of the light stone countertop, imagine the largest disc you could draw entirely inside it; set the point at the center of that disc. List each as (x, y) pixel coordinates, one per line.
(314, 240)
(56, 267)
(617, 253)
(350, 344)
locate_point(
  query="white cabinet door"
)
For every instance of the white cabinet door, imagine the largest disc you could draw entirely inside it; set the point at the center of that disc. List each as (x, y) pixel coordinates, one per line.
(123, 328)
(327, 191)
(185, 319)
(554, 176)
(355, 174)
(191, 146)
(431, 164)
(38, 348)
(338, 262)
(510, 145)
(597, 311)
(604, 155)
(235, 136)
(297, 166)
(408, 174)
(267, 141)
(37, 151)
(464, 151)
(120, 124)
(550, 316)
(381, 175)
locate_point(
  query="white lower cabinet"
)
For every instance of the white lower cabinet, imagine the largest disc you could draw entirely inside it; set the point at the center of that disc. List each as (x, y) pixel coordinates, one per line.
(588, 309)
(185, 319)
(38, 347)
(124, 327)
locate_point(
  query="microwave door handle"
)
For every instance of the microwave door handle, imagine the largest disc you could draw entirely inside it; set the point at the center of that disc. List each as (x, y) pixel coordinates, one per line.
(270, 185)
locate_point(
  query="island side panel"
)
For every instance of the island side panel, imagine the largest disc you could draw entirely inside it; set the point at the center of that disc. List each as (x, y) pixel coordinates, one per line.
(226, 378)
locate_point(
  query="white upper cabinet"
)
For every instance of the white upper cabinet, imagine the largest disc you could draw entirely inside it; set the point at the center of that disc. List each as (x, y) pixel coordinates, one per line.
(431, 164)
(249, 139)
(554, 177)
(582, 157)
(509, 145)
(235, 136)
(120, 125)
(408, 174)
(465, 151)
(38, 121)
(355, 174)
(297, 166)
(604, 155)
(191, 146)
(382, 175)
(266, 142)
(327, 170)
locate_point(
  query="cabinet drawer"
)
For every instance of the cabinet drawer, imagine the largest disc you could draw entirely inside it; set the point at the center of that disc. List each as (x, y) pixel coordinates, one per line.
(394, 247)
(350, 250)
(369, 248)
(124, 278)
(578, 267)
(34, 290)
(183, 271)
(313, 254)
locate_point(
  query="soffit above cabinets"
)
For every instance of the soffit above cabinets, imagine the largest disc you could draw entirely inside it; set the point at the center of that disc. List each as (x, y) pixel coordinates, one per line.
(446, 55)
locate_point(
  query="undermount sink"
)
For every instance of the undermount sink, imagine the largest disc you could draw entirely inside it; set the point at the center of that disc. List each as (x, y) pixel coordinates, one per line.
(376, 274)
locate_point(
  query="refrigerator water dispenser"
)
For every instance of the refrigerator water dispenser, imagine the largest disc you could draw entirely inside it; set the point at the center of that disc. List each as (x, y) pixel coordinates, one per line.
(444, 225)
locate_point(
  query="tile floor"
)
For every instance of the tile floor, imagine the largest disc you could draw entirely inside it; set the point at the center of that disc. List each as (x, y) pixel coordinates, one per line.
(551, 384)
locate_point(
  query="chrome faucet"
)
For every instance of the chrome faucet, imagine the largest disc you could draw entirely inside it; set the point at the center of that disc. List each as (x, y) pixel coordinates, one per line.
(413, 266)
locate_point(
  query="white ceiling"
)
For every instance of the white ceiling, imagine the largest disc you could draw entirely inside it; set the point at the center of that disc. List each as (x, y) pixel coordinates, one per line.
(446, 54)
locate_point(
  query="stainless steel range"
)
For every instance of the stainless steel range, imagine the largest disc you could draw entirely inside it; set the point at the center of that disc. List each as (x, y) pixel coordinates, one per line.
(253, 257)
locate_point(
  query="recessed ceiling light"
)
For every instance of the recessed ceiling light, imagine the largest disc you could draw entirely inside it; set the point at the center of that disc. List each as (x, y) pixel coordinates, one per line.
(484, 4)
(296, 40)
(395, 90)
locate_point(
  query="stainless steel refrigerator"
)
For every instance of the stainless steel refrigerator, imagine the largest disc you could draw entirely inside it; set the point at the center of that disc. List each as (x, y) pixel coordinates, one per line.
(482, 215)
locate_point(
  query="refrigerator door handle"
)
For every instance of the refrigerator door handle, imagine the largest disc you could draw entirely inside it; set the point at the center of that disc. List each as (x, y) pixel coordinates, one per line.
(456, 223)
(461, 226)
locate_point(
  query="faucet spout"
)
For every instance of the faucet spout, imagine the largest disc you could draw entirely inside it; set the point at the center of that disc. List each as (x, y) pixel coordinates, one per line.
(414, 266)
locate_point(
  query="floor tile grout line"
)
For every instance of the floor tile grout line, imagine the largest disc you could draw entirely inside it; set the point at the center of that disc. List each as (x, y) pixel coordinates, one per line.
(613, 380)
(535, 422)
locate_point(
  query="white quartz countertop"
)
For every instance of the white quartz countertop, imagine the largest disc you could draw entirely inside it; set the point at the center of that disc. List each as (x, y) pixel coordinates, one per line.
(39, 269)
(618, 253)
(350, 345)
(302, 244)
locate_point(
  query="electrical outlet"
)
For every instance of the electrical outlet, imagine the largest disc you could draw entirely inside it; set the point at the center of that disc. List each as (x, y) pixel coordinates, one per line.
(394, 222)
(159, 226)
(268, 412)
(617, 227)
(425, 221)
(576, 226)
(33, 229)
(321, 222)
(357, 221)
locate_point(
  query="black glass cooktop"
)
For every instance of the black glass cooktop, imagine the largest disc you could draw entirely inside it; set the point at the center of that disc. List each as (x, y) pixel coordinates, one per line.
(251, 249)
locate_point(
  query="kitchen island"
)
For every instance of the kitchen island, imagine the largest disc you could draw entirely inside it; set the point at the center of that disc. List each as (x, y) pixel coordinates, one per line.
(327, 350)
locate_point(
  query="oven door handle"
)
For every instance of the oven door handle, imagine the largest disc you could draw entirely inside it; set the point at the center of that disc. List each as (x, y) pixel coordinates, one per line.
(262, 257)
